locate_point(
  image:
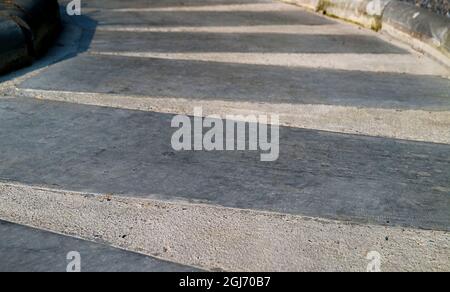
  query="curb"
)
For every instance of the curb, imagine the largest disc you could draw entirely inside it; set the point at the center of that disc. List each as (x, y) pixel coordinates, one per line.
(367, 13)
(310, 4)
(393, 16)
(37, 23)
(420, 24)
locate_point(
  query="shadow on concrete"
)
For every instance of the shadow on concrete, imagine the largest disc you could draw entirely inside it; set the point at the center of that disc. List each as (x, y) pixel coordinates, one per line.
(320, 174)
(242, 82)
(75, 38)
(120, 4)
(207, 18)
(25, 249)
(174, 42)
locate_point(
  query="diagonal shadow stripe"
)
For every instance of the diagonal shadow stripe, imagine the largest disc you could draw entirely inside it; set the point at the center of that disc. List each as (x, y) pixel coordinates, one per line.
(118, 4)
(319, 174)
(243, 82)
(25, 249)
(241, 42)
(204, 19)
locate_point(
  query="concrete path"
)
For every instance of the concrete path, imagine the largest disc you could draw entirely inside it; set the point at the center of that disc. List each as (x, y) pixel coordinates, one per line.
(318, 174)
(24, 249)
(364, 142)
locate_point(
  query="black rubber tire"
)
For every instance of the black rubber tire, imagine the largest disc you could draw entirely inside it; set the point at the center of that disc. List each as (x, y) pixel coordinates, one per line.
(13, 46)
(39, 19)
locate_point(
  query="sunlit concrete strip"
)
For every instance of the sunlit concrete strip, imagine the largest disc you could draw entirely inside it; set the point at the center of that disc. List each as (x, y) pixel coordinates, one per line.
(25, 249)
(218, 238)
(394, 63)
(414, 125)
(255, 29)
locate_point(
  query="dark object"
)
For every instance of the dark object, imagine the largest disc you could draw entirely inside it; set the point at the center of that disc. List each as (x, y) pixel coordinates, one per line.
(13, 46)
(39, 19)
(39, 23)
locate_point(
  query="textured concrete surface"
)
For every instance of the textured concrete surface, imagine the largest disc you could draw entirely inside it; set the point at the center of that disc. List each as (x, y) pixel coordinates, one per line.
(209, 44)
(425, 30)
(206, 18)
(413, 125)
(320, 174)
(236, 57)
(223, 238)
(238, 82)
(25, 249)
(168, 42)
(403, 64)
(419, 23)
(140, 4)
(310, 4)
(363, 12)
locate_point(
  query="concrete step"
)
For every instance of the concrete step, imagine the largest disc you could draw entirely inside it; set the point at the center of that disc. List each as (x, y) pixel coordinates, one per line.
(210, 81)
(318, 174)
(100, 165)
(198, 18)
(25, 249)
(173, 42)
(387, 63)
(119, 4)
(225, 239)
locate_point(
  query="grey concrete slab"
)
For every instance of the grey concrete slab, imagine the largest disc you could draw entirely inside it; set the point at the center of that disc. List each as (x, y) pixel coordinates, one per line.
(118, 4)
(240, 42)
(25, 249)
(319, 174)
(204, 18)
(242, 82)
(225, 239)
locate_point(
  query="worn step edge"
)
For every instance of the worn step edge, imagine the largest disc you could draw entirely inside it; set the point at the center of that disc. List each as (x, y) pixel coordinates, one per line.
(412, 125)
(218, 238)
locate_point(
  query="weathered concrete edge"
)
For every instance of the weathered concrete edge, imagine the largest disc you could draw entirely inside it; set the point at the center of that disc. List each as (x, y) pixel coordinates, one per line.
(218, 238)
(367, 13)
(17, 260)
(315, 5)
(395, 17)
(39, 23)
(415, 124)
(421, 25)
